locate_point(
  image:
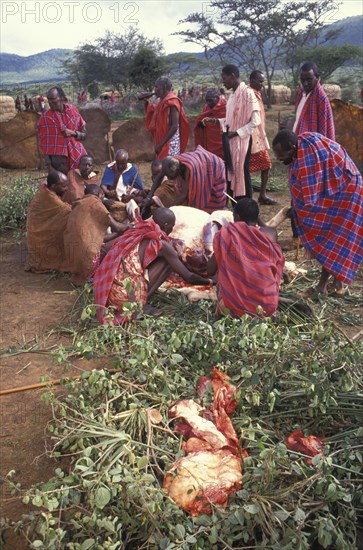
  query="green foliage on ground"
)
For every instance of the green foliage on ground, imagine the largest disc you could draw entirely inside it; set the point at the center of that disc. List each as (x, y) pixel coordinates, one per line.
(290, 373)
(14, 203)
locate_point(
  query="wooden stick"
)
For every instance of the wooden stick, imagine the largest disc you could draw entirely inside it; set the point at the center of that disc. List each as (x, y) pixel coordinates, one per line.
(231, 198)
(44, 384)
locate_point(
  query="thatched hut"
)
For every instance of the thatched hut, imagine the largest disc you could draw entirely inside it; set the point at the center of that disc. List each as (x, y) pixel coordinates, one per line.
(333, 91)
(280, 94)
(7, 108)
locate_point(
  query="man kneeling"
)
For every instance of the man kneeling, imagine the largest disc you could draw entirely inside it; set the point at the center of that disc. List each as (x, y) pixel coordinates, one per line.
(249, 263)
(137, 264)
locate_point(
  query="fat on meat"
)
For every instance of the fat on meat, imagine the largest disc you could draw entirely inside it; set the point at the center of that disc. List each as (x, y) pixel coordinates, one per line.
(202, 479)
(212, 467)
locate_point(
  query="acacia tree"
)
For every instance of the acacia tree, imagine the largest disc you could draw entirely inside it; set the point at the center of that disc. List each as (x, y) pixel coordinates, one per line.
(253, 33)
(329, 58)
(109, 58)
(145, 67)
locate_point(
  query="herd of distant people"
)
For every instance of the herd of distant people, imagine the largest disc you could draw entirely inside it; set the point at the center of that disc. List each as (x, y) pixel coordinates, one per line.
(79, 221)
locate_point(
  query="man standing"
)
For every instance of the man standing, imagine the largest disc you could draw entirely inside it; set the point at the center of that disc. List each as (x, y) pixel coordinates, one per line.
(61, 130)
(242, 116)
(166, 121)
(327, 197)
(313, 109)
(260, 159)
(18, 104)
(210, 136)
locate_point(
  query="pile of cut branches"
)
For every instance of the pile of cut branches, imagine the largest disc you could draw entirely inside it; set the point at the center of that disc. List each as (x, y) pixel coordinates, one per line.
(115, 433)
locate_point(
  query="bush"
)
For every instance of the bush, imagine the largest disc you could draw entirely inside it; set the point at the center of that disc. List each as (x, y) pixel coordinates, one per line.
(14, 203)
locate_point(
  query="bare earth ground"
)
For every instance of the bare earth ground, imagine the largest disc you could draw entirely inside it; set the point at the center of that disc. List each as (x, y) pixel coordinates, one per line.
(33, 305)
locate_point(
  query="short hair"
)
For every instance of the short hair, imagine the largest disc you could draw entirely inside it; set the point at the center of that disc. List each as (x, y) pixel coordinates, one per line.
(59, 91)
(85, 157)
(247, 210)
(156, 163)
(121, 152)
(310, 66)
(230, 70)
(212, 92)
(53, 178)
(255, 74)
(285, 138)
(92, 189)
(166, 82)
(170, 163)
(164, 215)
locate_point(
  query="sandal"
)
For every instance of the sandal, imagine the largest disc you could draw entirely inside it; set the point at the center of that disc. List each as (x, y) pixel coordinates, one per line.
(267, 201)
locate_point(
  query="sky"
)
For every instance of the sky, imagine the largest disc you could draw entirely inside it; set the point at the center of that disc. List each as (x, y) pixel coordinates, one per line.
(29, 27)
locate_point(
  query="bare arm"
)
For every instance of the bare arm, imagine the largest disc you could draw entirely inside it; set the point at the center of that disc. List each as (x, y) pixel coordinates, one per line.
(171, 257)
(180, 199)
(212, 265)
(118, 227)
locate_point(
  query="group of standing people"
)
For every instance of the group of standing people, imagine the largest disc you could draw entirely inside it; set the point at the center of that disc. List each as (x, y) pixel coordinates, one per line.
(29, 103)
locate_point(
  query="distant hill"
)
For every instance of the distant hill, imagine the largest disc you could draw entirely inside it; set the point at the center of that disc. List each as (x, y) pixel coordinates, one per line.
(352, 31)
(45, 66)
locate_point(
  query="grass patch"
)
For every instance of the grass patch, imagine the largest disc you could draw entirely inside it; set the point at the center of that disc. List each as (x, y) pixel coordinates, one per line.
(14, 203)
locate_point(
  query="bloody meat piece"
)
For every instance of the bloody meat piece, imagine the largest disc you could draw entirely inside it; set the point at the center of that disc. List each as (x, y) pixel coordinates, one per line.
(212, 469)
(310, 445)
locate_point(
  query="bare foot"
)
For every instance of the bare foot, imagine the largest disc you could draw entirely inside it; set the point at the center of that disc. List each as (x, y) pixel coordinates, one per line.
(264, 199)
(312, 293)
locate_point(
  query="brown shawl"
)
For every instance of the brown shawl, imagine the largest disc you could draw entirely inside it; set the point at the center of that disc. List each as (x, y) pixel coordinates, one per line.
(46, 222)
(83, 238)
(76, 185)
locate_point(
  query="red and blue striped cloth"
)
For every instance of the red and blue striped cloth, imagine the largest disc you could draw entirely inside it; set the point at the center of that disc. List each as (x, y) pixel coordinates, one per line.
(122, 246)
(249, 269)
(327, 195)
(51, 140)
(317, 114)
(207, 180)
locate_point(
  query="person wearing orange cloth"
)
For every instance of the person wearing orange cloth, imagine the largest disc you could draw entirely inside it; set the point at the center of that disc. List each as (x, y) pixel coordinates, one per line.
(210, 136)
(166, 120)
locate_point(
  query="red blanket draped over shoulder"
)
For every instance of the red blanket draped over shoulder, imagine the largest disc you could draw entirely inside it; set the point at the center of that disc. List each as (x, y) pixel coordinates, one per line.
(210, 136)
(157, 122)
(51, 140)
(249, 269)
(122, 246)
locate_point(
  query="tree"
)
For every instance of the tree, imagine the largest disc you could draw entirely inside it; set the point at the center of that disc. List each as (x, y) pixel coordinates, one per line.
(253, 33)
(329, 58)
(108, 59)
(187, 66)
(145, 67)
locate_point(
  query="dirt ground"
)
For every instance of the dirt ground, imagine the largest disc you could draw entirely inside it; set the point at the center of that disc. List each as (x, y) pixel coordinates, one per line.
(33, 305)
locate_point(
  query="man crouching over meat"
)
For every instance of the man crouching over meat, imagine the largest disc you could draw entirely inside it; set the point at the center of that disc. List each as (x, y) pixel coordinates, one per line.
(249, 264)
(137, 264)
